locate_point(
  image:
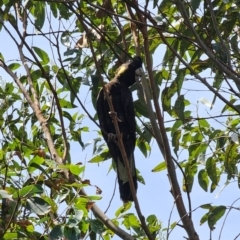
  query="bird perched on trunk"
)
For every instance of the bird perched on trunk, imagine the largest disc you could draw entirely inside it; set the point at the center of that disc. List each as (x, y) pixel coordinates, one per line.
(122, 101)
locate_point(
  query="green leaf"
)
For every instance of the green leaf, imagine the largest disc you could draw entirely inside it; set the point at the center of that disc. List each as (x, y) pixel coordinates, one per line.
(83, 226)
(175, 140)
(73, 168)
(218, 79)
(221, 140)
(204, 218)
(179, 79)
(72, 233)
(234, 44)
(179, 107)
(28, 191)
(14, 66)
(66, 104)
(64, 11)
(1, 154)
(203, 123)
(220, 52)
(160, 167)
(97, 226)
(166, 99)
(13, 235)
(140, 177)
(211, 169)
(140, 107)
(97, 159)
(215, 214)
(72, 222)
(203, 179)
(9, 88)
(123, 208)
(35, 163)
(177, 124)
(42, 54)
(133, 221)
(190, 171)
(38, 205)
(53, 7)
(57, 232)
(230, 160)
(39, 13)
(226, 107)
(213, 187)
(151, 219)
(173, 225)
(206, 206)
(1, 57)
(143, 146)
(76, 169)
(95, 89)
(104, 155)
(93, 198)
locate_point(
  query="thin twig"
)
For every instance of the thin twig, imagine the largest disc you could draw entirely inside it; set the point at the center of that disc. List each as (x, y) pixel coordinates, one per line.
(230, 72)
(98, 213)
(188, 224)
(120, 142)
(114, 190)
(236, 237)
(169, 219)
(37, 107)
(230, 208)
(215, 24)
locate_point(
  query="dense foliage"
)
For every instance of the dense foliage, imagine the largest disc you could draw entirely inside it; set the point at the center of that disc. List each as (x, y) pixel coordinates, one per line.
(186, 105)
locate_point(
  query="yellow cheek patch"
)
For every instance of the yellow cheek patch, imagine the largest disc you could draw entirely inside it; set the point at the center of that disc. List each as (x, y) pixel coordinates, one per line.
(122, 69)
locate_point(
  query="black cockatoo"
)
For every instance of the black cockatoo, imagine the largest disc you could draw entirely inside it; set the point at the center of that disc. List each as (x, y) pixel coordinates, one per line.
(118, 90)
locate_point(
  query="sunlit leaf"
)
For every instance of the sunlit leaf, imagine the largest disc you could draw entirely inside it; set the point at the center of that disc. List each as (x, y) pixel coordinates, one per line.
(94, 197)
(78, 214)
(206, 206)
(160, 167)
(66, 104)
(123, 209)
(76, 169)
(205, 102)
(5, 194)
(134, 222)
(13, 235)
(28, 191)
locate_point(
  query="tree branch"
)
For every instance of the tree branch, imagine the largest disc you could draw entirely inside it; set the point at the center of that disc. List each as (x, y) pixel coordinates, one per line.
(187, 221)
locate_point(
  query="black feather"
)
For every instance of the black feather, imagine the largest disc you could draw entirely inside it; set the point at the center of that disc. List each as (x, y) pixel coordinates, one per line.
(118, 90)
